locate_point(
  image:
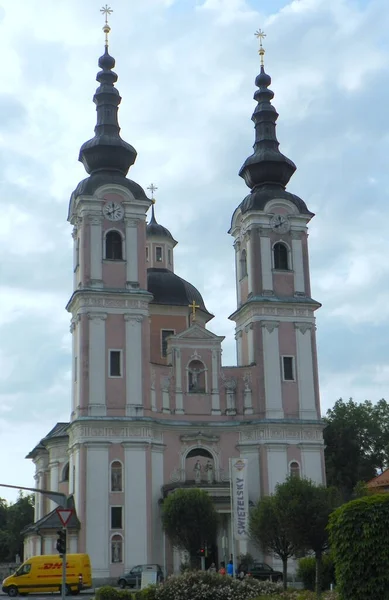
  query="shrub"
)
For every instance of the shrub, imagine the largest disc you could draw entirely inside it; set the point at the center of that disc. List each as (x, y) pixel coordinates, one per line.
(201, 585)
(360, 548)
(110, 593)
(306, 572)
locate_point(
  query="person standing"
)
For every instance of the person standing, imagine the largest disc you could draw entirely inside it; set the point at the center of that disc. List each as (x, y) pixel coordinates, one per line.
(212, 568)
(222, 570)
(230, 568)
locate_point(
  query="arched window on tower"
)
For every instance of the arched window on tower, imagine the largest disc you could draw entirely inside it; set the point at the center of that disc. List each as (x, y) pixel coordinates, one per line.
(294, 469)
(280, 252)
(243, 264)
(113, 246)
(116, 476)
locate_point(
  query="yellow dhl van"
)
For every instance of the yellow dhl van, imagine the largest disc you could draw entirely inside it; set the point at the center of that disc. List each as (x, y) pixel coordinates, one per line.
(44, 574)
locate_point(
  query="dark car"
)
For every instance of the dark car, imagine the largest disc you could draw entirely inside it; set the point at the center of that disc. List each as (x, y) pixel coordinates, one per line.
(262, 571)
(133, 578)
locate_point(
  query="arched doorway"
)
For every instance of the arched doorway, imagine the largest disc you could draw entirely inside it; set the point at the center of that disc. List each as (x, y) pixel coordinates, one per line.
(200, 466)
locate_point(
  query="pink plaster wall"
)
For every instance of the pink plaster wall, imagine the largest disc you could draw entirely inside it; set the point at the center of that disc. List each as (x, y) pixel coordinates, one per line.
(283, 283)
(256, 262)
(244, 286)
(293, 452)
(145, 400)
(85, 253)
(177, 323)
(114, 274)
(287, 345)
(258, 378)
(115, 386)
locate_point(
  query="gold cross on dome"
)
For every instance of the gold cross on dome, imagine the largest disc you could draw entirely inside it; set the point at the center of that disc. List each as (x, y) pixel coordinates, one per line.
(107, 11)
(152, 189)
(261, 36)
(193, 306)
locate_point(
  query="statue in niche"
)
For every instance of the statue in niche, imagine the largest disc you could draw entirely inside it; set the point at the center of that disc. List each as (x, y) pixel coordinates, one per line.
(116, 552)
(196, 377)
(197, 471)
(209, 471)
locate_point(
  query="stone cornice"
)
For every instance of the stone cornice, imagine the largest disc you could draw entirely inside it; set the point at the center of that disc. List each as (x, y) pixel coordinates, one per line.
(119, 301)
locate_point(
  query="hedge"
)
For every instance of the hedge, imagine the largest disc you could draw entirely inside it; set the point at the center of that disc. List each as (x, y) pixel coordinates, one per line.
(306, 572)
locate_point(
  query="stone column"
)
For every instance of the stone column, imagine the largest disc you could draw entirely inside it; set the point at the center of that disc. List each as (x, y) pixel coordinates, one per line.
(238, 338)
(153, 392)
(54, 482)
(272, 370)
(134, 367)
(266, 261)
(136, 491)
(305, 377)
(97, 364)
(298, 265)
(96, 250)
(215, 395)
(179, 395)
(237, 272)
(249, 329)
(132, 275)
(247, 237)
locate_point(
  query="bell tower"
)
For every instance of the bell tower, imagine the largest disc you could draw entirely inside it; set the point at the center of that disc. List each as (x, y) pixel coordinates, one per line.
(275, 324)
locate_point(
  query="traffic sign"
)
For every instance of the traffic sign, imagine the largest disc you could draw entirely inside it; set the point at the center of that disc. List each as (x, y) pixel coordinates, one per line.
(64, 515)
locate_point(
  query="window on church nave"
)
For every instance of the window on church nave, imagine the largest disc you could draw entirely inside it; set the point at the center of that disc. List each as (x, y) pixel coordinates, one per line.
(116, 549)
(113, 246)
(115, 363)
(288, 368)
(294, 469)
(165, 333)
(116, 517)
(280, 252)
(116, 476)
(243, 264)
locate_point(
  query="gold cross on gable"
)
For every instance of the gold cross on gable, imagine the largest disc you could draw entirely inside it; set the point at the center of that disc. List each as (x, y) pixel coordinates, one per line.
(261, 36)
(152, 189)
(193, 306)
(107, 11)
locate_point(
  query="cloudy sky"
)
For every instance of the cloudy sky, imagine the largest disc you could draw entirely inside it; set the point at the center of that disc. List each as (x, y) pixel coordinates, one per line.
(186, 74)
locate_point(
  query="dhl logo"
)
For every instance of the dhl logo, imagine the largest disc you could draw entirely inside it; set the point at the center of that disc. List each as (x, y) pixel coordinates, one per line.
(54, 565)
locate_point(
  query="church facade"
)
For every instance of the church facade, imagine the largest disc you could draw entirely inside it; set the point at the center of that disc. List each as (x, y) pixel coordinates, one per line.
(152, 408)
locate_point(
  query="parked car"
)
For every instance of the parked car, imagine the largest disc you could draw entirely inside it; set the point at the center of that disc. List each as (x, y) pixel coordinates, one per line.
(133, 578)
(262, 571)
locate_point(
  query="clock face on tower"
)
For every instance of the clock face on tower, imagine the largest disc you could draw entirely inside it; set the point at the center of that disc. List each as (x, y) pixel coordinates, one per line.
(113, 211)
(279, 223)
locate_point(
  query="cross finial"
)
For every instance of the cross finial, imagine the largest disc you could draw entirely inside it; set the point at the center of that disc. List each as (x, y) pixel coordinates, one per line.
(152, 189)
(261, 36)
(193, 306)
(107, 11)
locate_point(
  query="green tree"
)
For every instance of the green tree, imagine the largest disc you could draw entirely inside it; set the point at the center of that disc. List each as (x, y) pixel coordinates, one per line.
(269, 529)
(190, 520)
(307, 508)
(360, 548)
(356, 443)
(19, 515)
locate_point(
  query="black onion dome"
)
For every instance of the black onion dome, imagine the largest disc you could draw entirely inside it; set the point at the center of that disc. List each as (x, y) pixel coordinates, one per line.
(154, 229)
(169, 288)
(266, 165)
(260, 196)
(106, 150)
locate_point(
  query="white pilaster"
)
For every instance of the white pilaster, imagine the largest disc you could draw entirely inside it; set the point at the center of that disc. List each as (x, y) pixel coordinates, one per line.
(215, 396)
(272, 371)
(77, 477)
(97, 501)
(249, 262)
(266, 262)
(75, 359)
(305, 371)
(237, 272)
(136, 514)
(97, 364)
(96, 250)
(238, 338)
(277, 465)
(54, 481)
(75, 256)
(131, 252)
(157, 482)
(165, 384)
(179, 395)
(311, 462)
(247, 395)
(153, 395)
(134, 397)
(298, 265)
(249, 329)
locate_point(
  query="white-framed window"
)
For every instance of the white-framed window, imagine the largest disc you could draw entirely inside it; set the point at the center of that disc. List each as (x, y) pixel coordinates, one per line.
(294, 469)
(116, 517)
(158, 253)
(165, 333)
(288, 368)
(113, 245)
(116, 548)
(115, 363)
(281, 258)
(116, 476)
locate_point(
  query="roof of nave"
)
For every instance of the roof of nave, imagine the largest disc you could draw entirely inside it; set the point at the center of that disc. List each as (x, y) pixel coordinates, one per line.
(380, 480)
(170, 289)
(52, 521)
(58, 431)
